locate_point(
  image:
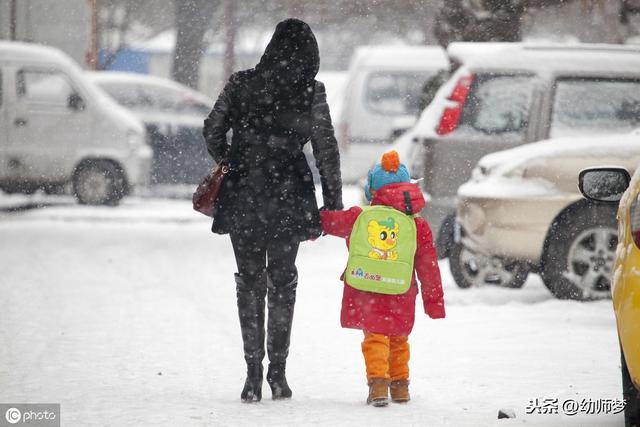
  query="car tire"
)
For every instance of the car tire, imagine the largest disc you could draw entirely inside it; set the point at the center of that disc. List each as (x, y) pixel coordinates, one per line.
(630, 395)
(469, 269)
(579, 253)
(445, 238)
(99, 182)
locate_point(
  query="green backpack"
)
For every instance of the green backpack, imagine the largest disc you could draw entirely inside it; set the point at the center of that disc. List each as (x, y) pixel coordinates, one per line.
(381, 251)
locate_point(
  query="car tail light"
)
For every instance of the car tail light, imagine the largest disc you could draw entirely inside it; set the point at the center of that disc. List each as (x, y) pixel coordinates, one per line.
(635, 221)
(451, 115)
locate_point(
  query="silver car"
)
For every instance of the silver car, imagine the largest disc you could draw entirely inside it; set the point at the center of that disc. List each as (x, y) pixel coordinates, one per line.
(522, 211)
(514, 94)
(172, 114)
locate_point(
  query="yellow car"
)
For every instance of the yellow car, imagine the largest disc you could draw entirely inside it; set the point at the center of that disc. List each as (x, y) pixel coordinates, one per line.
(608, 185)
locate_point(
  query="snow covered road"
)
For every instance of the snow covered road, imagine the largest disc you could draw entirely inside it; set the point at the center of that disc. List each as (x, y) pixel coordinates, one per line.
(127, 316)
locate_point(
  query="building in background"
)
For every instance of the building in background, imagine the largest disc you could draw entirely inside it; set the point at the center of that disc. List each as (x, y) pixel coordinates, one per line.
(155, 55)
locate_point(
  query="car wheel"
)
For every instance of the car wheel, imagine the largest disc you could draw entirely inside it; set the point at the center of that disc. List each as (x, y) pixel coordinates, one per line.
(472, 269)
(630, 395)
(580, 252)
(445, 238)
(99, 183)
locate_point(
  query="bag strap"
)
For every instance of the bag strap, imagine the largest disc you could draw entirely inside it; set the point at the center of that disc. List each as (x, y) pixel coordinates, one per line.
(408, 208)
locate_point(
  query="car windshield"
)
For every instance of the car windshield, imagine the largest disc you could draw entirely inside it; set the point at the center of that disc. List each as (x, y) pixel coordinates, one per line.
(154, 98)
(588, 106)
(395, 93)
(498, 104)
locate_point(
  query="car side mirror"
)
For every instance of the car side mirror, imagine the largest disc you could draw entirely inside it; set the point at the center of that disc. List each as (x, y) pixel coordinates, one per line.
(75, 102)
(604, 184)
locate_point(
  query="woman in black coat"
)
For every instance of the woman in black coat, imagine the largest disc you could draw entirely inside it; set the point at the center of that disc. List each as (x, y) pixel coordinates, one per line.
(267, 203)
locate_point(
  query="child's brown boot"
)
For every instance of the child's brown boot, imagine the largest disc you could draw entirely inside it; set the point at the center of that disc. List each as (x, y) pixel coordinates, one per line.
(378, 392)
(399, 391)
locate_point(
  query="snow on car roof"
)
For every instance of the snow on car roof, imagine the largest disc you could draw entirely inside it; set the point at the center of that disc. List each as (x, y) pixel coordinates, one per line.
(400, 56)
(130, 78)
(549, 57)
(463, 51)
(497, 167)
(106, 77)
(33, 52)
(603, 145)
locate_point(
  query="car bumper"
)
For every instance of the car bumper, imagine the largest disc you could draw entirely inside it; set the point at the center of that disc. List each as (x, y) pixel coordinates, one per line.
(138, 166)
(513, 228)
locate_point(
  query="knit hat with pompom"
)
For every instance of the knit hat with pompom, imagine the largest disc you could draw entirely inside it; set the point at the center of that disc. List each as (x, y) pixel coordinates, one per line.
(388, 171)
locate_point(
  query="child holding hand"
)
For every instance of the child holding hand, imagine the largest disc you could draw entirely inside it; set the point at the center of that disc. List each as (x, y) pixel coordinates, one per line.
(389, 245)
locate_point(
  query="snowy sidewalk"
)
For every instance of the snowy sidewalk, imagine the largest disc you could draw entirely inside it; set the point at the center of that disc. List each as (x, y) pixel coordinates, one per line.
(127, 316)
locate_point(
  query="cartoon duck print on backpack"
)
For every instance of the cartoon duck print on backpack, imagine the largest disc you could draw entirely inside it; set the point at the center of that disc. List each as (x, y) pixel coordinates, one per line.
(383, 237)
(382, 248)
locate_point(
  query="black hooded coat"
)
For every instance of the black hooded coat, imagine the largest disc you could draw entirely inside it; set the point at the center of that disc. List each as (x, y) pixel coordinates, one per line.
(273, 110)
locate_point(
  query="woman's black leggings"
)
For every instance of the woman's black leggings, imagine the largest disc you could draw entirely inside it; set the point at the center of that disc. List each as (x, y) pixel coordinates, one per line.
(259, 253)
(266, 266)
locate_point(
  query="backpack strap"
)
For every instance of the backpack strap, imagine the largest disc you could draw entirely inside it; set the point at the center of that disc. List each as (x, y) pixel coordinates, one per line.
(408, 208)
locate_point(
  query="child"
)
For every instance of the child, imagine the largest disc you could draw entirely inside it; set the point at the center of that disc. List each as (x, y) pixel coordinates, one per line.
(380, 280)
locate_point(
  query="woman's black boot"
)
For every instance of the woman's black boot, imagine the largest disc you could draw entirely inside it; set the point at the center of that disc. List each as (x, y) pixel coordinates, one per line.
(252, 391)
(282, 299)
(251, 304)
(278, 382)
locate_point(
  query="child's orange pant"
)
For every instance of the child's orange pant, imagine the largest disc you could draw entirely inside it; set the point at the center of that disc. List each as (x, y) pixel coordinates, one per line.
(386, 357)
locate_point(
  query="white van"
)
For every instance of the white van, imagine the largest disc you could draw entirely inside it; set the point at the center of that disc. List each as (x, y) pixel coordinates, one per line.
(382, 92)
(58, 128)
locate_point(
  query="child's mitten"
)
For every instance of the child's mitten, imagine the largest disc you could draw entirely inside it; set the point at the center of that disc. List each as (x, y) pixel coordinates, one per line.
(435, 310)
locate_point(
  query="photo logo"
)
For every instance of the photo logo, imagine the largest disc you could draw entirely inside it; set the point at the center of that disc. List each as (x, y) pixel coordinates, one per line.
(13, 415)
(32, 414)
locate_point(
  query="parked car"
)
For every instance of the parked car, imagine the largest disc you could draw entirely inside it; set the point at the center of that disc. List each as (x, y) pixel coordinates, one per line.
(173, 115)
(515, 94)
(382, 91)
(606, 186)
(58, 128)
(408, 144)
(522, 211)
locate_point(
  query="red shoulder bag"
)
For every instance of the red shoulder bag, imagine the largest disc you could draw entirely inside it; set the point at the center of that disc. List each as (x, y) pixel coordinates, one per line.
(204, 198)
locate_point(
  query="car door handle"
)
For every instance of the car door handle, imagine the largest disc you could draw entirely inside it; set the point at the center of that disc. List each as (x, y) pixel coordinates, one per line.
(19, 122)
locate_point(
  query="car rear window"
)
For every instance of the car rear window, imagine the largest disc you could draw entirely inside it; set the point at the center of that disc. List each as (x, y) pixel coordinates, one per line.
(160, 98)
(126, 95)
(153, 98)
(395, 93)
(586, 106)
(498, 104)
